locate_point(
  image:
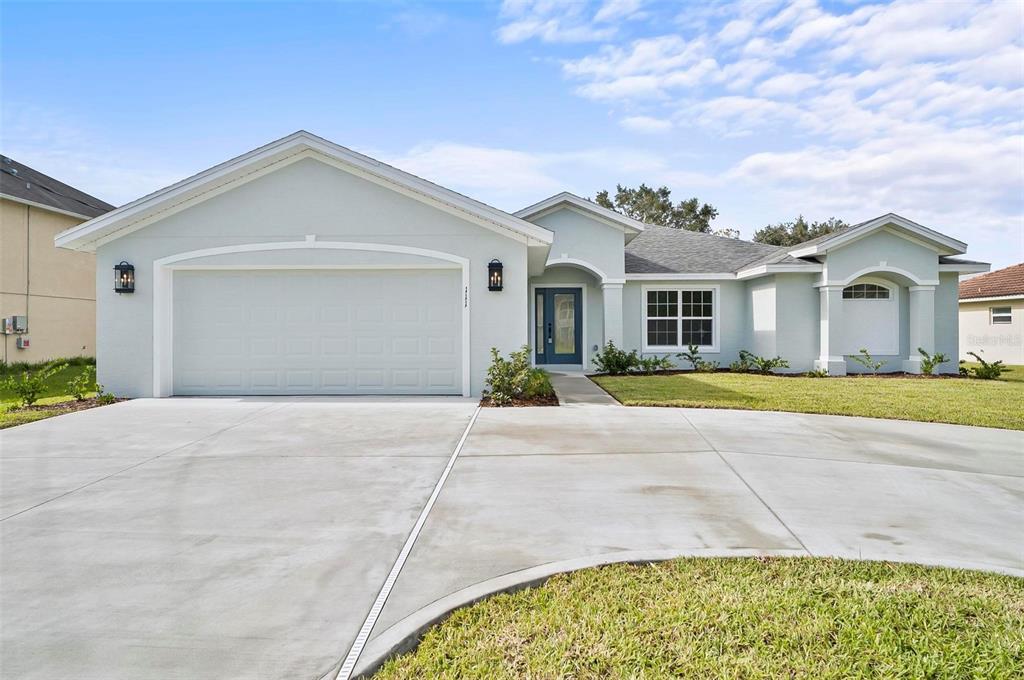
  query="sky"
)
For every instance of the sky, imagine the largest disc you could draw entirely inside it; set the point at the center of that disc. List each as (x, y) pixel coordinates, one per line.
(765, 109)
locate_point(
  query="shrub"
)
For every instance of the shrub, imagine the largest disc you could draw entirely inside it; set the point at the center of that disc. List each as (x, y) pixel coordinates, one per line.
(29, 385)
(763, 365)
(817, 373)
(930, 361)
(615, 361)
(538, 384)
(707, 366)
(507, 378)
(83, 383)
(651, 365)
(867, 361)
(987, 371)
(741, 365)
(692, 355)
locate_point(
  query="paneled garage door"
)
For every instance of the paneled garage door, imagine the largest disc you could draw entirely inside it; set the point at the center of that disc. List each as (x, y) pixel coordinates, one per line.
(317, 332)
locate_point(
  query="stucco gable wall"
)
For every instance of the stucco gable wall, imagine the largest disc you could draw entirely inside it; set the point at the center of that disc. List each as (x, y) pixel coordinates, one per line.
(870, 252)
(307, 197)
(585, 238)
(797, 309)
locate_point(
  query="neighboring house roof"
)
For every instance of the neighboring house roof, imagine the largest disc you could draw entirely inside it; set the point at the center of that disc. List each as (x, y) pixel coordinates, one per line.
(23, 184)
(301, 144)
(665, 250)
(1006, 282)
(628, 225)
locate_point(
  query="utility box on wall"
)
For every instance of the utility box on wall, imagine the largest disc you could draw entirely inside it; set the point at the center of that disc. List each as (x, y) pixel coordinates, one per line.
(14, 325)
(22, 343)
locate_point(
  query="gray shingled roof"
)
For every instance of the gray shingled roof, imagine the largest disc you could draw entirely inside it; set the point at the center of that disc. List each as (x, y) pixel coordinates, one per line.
(20, 181)
(664, 250)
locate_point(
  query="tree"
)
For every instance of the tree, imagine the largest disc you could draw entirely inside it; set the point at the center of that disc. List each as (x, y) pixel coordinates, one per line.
(792, 233)
(654, 206)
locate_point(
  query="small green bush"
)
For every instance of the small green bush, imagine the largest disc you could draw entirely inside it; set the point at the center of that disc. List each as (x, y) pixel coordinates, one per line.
(817, 373)
(508, 378)
(692, 355)
(763, 365)
(651, 365)
(707, 366)
(987, 371)
(83, 383)
(29, 385)
(930, 361)
(741, 365)
(615, 361)
(867, 361)
(538, 385)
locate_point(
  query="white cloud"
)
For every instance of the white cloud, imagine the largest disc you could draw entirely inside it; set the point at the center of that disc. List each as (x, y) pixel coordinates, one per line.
(550, 21)
(615, 10)
(787, 85)
(646, 124)
(735, 31)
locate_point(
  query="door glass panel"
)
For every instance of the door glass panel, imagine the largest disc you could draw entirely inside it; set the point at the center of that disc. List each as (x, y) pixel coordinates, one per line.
(538, 335)
(565, 323)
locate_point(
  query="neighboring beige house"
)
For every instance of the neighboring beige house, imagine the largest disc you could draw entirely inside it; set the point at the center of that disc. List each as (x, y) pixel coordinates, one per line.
(992, 315)
(52, 288)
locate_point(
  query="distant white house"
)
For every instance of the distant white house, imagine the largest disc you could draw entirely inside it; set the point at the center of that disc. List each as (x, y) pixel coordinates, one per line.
(992, 315)
(303, 267)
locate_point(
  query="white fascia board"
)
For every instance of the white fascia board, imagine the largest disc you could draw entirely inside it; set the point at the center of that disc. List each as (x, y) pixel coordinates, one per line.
(703, 276)
(42, 206)
(946, 244)
(768, 269)
(965, 267)
(187, 192)
(610, 217)
(993, 298)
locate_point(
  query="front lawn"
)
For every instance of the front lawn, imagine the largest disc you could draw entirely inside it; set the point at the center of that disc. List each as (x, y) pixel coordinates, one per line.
(55, 394)
(736, 618)
(992, 403)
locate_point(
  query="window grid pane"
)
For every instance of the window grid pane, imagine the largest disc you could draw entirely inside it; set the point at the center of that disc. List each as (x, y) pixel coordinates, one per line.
(865, 291)
(1001, 314)
(678, 318)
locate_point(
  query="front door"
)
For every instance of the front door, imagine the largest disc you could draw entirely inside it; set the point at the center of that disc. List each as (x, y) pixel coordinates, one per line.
(558, 326)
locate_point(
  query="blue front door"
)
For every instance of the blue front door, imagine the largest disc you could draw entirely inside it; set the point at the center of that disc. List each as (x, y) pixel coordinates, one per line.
(558, 326)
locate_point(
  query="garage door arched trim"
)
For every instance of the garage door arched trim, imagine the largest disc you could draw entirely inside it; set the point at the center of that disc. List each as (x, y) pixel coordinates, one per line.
(163, 292)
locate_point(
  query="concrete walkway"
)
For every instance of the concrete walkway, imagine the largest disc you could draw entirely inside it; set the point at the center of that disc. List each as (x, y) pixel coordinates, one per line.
(577, 388)
(248, 538)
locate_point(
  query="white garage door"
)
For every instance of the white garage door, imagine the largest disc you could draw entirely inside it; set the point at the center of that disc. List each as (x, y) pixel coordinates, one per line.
(318, 332)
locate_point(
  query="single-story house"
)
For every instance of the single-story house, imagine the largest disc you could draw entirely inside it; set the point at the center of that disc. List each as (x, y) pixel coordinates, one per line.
(47, 295)
(305, 268)
(992, 316)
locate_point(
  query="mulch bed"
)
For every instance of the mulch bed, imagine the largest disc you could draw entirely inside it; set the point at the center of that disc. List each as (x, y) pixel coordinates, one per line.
(65, 406)
(550, 400)
(866, 376)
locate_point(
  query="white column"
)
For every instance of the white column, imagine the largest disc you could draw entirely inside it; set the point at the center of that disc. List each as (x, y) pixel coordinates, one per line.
(831, 311)
(922, 326)
(611, 292)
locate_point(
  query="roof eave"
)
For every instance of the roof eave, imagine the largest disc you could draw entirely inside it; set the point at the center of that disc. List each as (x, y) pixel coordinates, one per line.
(629, 225)
(945, 244)
(43, 206)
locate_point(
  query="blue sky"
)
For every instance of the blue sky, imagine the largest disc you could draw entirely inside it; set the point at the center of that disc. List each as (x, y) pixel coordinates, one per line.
(765, 109)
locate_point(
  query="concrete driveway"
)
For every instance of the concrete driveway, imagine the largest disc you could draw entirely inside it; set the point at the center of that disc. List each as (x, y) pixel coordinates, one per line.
(214, 538)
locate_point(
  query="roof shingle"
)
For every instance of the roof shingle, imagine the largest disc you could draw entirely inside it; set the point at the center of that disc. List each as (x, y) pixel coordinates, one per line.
(1002, 282)
(664, 250)
(20, 181)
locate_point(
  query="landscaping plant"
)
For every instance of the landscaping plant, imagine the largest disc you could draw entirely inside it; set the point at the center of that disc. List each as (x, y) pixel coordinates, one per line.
(83, 383)
(699, 364)
(30, 384)
(615, 361)
(987, 371)
(930, 361)
(762, 365)
(817, 373)
(651, 365)
(507, 379)
(867, 361)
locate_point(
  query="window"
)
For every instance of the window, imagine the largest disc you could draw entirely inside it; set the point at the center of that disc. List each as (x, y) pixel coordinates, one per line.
(1001, 314)
(678, 318)
(865, 291)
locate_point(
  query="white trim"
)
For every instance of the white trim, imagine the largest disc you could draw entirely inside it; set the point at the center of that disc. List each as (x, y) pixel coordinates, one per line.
(993, 298)
(592, 268)
(766, 269)
(923, 287)
(532, 310)
(992, 315)
(43, 206)
(964, 267)
(889, 287)
(163, 295)
(946, 244)
(713, 348)
(714, 276)
(270, 157)
(609, 217)
(879, 268)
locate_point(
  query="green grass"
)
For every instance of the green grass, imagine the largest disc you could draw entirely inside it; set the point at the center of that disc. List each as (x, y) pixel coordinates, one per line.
(55, 392)
(992, 403)
(736, 618)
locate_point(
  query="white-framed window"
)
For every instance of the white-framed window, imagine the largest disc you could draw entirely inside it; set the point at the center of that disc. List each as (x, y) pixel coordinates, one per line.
(676, 317)
(1001, 314)
(865, 291)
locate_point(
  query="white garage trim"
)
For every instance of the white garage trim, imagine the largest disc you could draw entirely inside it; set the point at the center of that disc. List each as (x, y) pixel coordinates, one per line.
(163, 292)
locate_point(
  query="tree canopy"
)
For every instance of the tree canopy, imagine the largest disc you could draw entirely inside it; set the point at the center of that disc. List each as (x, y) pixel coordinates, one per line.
(654, 206)
(793, 233)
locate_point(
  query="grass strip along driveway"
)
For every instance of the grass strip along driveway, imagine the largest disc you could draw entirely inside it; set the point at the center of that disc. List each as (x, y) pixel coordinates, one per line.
(962, 401)
(736, 618)
(54, 393)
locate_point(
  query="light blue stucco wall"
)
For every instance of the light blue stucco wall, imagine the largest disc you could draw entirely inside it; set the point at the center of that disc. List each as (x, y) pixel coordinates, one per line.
(797, 309)
(585, 238)
(307, 197)
(882, 251)
(947, 323)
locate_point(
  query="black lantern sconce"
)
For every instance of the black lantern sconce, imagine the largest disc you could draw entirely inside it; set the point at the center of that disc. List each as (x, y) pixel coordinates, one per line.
(494, 275)
(124, 278)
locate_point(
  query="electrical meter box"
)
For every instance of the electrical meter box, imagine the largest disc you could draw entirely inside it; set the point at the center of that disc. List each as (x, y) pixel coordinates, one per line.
(15, 324)
(22, 343)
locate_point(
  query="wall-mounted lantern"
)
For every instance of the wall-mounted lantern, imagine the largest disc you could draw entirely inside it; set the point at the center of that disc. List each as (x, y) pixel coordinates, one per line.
(124, 278)
(494, 276)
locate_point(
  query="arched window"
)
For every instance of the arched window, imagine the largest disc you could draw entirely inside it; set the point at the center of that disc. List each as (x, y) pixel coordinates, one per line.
(865, 291)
